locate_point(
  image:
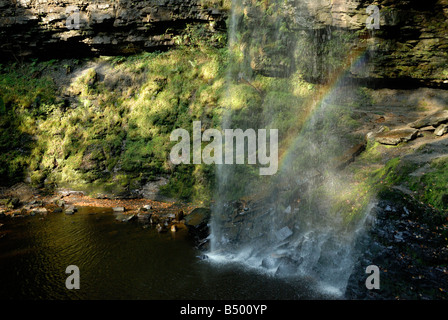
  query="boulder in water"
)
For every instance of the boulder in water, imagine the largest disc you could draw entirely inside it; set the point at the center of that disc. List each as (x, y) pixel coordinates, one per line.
(283, 233)
(146, 207)
(179, 215)
(154, 219)
(270, 262)
(197, 222)
(198, 218)
(59, 203)
(70, 210)
(288, 266)
(130, 218)
(41, 211)
(144, 217)
(160, 228)
(203, 257)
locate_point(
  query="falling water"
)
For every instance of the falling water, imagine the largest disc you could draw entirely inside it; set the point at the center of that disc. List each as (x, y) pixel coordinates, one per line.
(289, 225)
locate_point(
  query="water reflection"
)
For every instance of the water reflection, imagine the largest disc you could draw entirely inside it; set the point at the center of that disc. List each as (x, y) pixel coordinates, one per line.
(119, 260)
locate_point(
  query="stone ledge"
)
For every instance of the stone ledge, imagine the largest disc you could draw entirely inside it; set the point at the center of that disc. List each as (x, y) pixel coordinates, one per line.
(30, 28)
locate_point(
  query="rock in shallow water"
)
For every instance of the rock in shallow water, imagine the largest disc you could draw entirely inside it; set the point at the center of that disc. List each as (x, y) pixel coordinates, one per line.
(197, 223)
(131, 218)
(203, 257)
(161, 228)
(198, 217)
(41, 211)
(269, 263)
(179, 215)
(146, 207)
(59, 203)
(144, 217)
(288, 266)
(70, 210)
(283, 234)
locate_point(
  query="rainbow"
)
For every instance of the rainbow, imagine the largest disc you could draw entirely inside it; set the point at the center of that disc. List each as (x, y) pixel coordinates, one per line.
(356, 57)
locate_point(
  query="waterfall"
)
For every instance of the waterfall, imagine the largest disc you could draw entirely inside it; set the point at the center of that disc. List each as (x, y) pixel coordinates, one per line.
(290, 224)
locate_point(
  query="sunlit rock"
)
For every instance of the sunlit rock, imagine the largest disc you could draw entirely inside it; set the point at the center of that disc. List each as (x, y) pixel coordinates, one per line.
(441, 130)
(395, 137)
(434, 120)
(70, 210)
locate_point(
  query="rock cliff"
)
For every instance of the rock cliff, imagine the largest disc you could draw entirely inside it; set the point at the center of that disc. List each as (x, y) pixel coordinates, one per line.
(400, 40)
(410, 43)
(76, 27)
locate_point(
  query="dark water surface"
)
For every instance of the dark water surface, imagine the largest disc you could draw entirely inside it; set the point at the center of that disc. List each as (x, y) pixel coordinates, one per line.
(120, 260)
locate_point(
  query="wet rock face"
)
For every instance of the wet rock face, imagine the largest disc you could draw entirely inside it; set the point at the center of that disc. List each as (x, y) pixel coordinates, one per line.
(409, 46)
(75, 28)
(408, 244)
(241, 222)
(198, 223)
(410, 41)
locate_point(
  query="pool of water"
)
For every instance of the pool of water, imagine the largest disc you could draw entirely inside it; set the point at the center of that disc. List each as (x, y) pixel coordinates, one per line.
(119, 260)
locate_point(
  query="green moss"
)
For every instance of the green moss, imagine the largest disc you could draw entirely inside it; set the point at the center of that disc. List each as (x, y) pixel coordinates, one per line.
(241, 96)
(432, 187)
(282, 108)
(371, 154)
(220, 4)
(352, 203)
(112, 136)
(21, 86)
(429, 188)
(368, 183)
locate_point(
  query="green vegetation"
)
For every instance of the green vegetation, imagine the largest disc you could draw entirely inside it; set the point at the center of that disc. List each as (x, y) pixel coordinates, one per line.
(428, 188)
(26, 100)
(432, 187)
(221, 4)
(111, 134)
(104, 125)
(426, 184)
